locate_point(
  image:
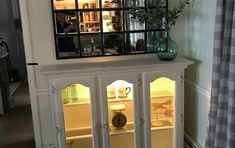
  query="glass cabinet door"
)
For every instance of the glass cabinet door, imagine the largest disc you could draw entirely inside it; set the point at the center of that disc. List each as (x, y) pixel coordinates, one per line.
(121, 114)
(77, 116)
(78, 109)
(120, 99)
(160, 115)
(162, 100)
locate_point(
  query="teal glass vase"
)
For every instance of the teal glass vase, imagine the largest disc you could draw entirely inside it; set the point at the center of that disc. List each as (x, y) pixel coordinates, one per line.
(167, 49)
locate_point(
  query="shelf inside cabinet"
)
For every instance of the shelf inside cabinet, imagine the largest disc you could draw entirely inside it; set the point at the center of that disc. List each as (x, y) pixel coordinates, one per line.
(80, 101)
(88, 102)
(120, 100)
(160, 94)
(78, 137)
(165, 124)
(83, 133)
(86, 131)
(77, 103)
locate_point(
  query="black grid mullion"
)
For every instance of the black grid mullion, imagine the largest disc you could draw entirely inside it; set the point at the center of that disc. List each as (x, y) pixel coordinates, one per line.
(54, 27)
(146, 28)
(101, 26)
(78, 29)
(123, 26)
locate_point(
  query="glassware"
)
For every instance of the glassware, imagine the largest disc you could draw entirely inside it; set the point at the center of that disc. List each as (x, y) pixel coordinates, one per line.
(167, 49)
(73, 93)
(65, 96)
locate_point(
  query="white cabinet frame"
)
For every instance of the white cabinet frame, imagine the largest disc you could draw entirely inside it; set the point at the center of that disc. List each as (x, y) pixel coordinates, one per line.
(97, 76)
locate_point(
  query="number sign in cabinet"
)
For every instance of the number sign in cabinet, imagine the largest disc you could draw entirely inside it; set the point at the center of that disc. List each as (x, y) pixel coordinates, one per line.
(127, 104)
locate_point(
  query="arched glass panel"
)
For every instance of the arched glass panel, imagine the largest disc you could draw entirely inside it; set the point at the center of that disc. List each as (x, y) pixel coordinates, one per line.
(162, 96)
(77, 116)
(121, 114)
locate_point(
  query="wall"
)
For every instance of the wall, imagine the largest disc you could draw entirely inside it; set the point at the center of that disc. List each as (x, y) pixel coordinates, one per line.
(196, 43)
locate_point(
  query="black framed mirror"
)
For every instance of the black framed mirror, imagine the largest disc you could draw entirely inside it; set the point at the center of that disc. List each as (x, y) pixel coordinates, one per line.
(93, 28)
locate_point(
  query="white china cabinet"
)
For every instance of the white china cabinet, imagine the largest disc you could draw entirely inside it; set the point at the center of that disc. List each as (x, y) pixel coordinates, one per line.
(124, 104)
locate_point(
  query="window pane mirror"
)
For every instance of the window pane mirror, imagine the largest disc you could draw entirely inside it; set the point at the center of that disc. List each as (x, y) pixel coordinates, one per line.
(91, 28)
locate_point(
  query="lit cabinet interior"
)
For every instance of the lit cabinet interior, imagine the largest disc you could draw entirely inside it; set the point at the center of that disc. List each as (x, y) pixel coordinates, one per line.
(77, 112)
(77, 115)
(120, 100)
(162, 100)
(94, 107)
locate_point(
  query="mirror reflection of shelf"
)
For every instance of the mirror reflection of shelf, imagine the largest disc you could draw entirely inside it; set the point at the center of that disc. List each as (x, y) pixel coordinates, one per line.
(69, 33)
(89, 21)
(88, 5)
(64, 5)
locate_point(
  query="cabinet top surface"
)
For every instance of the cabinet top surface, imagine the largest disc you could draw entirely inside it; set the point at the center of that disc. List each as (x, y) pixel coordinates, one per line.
(150, 62)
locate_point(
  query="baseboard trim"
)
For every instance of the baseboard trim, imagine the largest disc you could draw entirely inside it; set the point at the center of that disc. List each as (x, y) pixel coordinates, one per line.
(190, 141)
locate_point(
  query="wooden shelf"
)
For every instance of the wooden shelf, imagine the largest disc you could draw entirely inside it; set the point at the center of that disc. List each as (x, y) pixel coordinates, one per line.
(160, 94)
(77, 103)
(120, 100)
(167, 125)
(78, 137)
